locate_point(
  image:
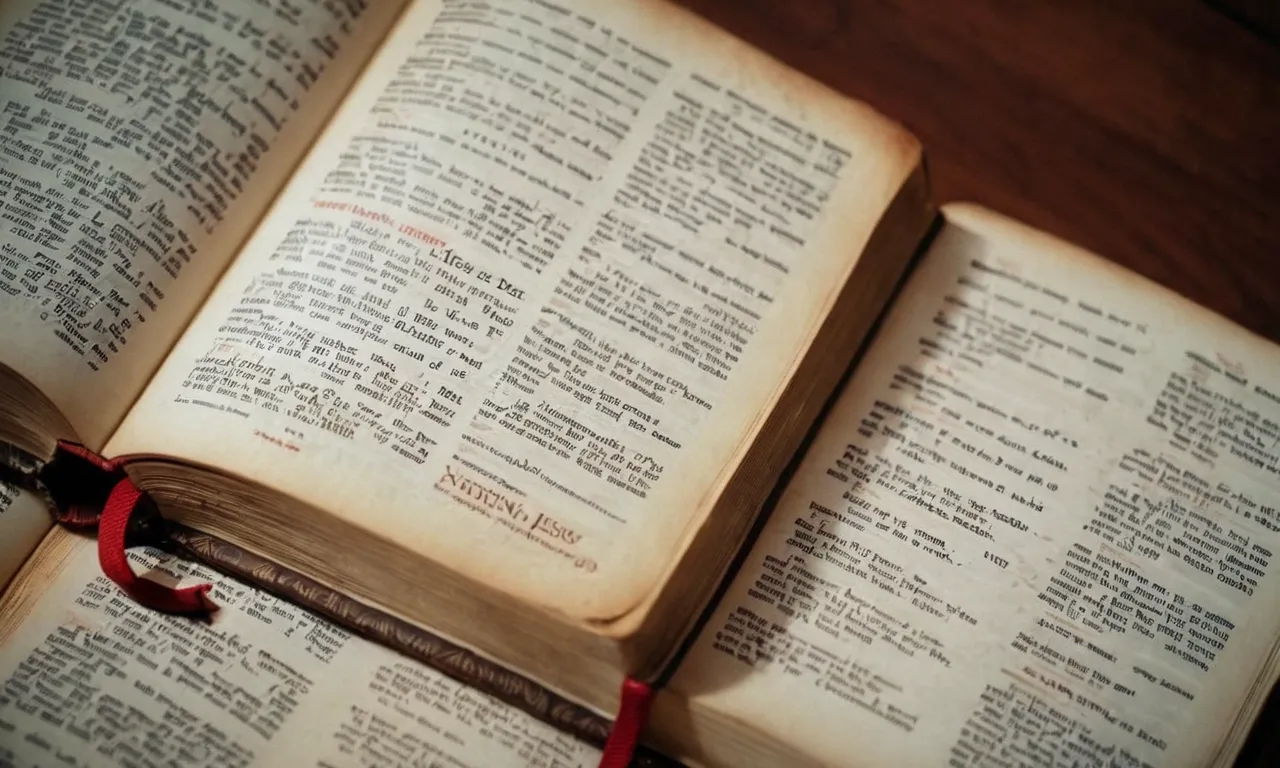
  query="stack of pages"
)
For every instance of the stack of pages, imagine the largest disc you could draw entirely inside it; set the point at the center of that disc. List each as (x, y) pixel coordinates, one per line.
(551, 343)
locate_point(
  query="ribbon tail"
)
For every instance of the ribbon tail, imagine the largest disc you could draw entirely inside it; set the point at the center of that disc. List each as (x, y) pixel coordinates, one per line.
(633, 712)
(112, 528)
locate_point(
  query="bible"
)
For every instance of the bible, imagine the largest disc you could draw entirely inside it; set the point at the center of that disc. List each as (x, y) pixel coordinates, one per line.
(503, 318)
(510, 320)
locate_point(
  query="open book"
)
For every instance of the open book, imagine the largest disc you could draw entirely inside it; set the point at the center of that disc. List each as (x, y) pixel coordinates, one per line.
(506, 318)
(525, 306)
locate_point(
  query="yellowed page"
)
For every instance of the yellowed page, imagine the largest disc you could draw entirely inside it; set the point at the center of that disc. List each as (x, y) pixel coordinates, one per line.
(532, 290)
(87, 677)
(24, 520)
(1038, 528)
(139, 143)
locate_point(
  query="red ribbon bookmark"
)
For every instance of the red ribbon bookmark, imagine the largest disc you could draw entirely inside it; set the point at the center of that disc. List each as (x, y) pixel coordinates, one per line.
(88, 490)
(115, 564)
(633, 712)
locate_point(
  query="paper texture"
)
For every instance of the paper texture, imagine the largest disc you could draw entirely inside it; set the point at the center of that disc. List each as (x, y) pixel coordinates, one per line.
(1039, 526)
(89, 678)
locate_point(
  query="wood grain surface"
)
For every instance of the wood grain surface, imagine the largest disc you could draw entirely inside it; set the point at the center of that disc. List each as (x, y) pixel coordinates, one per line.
(1145, 130)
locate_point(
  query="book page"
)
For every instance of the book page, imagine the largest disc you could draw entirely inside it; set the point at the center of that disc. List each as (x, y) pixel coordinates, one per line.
(87, 677)
(139, 142)
(540, 278)
(24, 520)
(1037, 528)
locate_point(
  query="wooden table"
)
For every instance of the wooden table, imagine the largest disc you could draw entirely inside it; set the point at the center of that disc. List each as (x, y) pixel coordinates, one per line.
(1145, 130)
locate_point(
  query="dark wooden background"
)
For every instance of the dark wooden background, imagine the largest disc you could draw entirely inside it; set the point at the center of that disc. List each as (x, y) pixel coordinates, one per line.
(1145, 130)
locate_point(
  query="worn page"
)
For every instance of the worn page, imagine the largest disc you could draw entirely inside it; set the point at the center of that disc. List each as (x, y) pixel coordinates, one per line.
(88, 677)
(139, 142)
(1037, 529)
(24, 520)
(532, 290)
